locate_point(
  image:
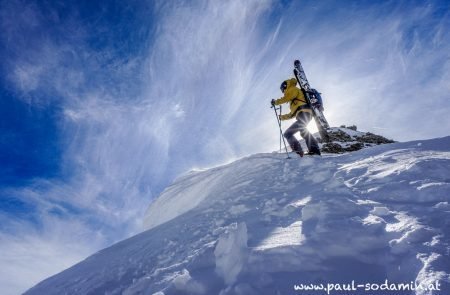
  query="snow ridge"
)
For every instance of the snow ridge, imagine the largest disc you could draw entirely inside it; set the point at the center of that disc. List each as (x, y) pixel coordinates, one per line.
(262, 224)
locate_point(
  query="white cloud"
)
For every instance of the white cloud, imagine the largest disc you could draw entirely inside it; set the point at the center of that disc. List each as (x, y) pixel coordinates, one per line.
(27, 77)
(30, 255)
(178, 111)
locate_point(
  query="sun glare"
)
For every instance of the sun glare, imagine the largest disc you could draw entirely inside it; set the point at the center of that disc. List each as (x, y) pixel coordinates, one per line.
(312, 127)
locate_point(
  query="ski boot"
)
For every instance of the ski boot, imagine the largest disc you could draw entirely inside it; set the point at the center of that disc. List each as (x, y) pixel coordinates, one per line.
(314, 152)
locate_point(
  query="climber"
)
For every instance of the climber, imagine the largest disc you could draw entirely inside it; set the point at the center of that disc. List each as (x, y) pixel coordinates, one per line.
(303, 115)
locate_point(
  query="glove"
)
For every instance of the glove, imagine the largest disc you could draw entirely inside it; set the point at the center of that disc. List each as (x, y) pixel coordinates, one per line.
(272, 102)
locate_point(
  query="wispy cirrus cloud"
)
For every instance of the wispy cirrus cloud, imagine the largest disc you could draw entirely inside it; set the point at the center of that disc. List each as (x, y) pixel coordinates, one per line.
(31, 253)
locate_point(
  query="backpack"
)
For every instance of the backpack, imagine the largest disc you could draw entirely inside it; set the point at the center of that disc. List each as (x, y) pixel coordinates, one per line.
(316, 98)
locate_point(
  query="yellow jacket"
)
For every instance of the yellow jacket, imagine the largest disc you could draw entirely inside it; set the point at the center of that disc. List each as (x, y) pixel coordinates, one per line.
(295, 97)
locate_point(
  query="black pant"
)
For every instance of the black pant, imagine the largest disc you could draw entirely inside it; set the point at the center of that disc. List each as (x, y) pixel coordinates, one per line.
(303, 118)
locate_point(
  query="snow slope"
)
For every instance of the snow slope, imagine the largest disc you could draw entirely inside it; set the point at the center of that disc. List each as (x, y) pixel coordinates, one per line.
(263, 224)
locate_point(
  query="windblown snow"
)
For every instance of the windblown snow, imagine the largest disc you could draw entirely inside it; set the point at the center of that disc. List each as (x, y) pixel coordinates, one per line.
(268, 225)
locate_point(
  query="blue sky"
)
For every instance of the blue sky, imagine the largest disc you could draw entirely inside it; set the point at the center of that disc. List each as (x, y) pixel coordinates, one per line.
(103, 103)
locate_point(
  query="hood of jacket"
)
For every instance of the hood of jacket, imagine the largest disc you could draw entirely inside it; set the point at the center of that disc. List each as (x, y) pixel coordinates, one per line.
(291, 83)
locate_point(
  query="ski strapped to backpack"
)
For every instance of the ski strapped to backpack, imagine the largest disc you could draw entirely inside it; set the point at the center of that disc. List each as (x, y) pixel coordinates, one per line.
(312, 100)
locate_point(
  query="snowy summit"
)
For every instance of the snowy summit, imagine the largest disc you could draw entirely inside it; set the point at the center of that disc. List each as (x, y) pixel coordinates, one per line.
(265, 224)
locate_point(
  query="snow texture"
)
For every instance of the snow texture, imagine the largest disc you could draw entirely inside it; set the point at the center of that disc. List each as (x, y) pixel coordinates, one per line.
(231, 252)
(264, 223)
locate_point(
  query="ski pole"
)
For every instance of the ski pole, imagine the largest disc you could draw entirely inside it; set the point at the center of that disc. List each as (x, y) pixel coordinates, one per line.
(281, 135)
(281, 131)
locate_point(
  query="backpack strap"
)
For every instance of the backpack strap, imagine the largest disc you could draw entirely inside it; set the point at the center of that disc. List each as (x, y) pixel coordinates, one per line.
(305, 106)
